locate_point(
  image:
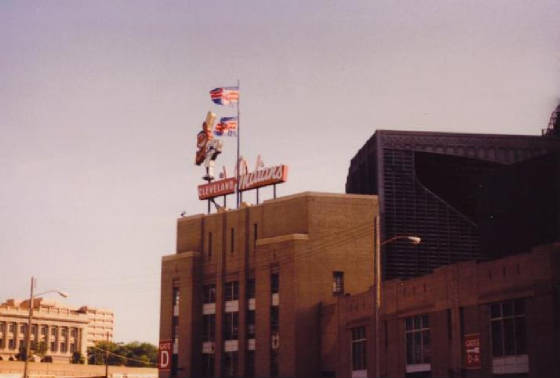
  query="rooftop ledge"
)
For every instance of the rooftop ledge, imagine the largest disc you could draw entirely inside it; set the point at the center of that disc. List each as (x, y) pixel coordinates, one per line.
(180, 255)
(282, 238)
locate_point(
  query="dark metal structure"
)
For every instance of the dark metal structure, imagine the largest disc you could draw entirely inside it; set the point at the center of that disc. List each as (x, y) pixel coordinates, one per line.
(429, 184)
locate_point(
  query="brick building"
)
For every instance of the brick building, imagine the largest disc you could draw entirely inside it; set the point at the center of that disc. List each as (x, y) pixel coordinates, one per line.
(242, 295)
(431, 326)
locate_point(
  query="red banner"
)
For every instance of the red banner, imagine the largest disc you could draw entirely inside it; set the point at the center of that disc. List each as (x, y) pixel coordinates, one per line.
(164, 355)
(472, 351)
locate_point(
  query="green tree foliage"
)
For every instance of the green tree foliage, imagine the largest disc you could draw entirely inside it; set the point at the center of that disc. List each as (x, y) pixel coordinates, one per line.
(77, 358)
(131, 354)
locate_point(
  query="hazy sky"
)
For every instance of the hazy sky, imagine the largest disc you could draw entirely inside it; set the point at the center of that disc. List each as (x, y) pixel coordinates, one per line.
(100, 103)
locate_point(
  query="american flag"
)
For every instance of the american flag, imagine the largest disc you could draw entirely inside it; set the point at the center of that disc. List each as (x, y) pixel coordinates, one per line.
(225, 95)
(227, 125)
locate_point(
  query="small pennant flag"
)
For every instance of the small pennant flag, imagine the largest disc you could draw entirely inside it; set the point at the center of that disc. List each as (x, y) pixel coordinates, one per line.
(225, 96)
(227, 126)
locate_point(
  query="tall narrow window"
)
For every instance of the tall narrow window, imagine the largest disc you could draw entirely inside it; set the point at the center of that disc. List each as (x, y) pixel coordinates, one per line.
(338, 283)
(209, 245)
(359, 348)
(250, 288)
(209, 293)
(175, 301)
(251, 324)
(417, 330)
(508, 327)
(230, 364)
(231, 291)
(274, 319)
(207, 365)
(208, 327)
(274, 283)
(231, 325)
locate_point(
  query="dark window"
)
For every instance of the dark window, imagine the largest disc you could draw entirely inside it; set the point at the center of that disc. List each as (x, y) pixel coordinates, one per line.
(251, 288)
(12, 327)
(338, 283)
(208, 327)
(230, 364)
(250, 371)
(74, 332)
(274, 370)
(274, 283)
(274, 318)
(64, 332)
(53, 331)
(209, 245)
(72, 348)
(231, 325)
(209, 293)
(43, 330)
(250, 324)
(63, 347)
(207, 365)
(231, 291)
(508, 327)
(12, 344)
(418, 344)
(359, 348)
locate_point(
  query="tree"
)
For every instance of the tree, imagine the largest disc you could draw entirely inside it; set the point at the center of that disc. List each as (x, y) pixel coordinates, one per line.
(78, 358)
(131, 354)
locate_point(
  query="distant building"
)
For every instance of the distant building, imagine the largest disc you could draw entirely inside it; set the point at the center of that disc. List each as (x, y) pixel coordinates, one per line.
(63, 330)
(494, 318)
(101, 324)
(242, 295)
(432, 184)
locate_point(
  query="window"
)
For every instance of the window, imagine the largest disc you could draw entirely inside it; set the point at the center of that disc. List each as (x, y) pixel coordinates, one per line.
(209, 293)
(231, 325)
(338, 283)
(274, 369)
(209, 245)
(23, 329)
(2, 327)
(207, 365)
(250, 324)
(251, 288)
(359, 348)
(230, 364)
(255, 235)
(417, 330)
(33, 329)
(176, 299)
(64, 332)
(53, 331)
(44, 331)
(12, 344)
(231, 292)
(250, 371)
(208, 327)
(72, 348)
(274, 283)
(63, 347)
(53, 346)
(12, 327)
(508, 327)
(74, 332)
(274, 318)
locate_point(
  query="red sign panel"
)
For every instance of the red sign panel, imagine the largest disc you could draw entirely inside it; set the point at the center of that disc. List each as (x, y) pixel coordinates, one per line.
(216, 188)
(263, 177)
(253, 180)
(164, 355)
(472, 351)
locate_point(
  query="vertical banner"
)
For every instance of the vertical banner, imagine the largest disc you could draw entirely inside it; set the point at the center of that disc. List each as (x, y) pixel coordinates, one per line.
(472, 351)
(164, 355)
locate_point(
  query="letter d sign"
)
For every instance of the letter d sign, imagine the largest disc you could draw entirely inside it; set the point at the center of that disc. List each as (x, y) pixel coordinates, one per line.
(164, 360)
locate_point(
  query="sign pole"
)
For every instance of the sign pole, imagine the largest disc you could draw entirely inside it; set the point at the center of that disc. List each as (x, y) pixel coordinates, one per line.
(238, 194)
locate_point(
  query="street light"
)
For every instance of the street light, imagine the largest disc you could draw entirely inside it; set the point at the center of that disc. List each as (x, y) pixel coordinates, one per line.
(30, 317)
(413, 239)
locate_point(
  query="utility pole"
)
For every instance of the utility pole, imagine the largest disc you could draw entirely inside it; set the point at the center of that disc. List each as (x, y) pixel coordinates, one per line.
(28, 334)
(107, 357)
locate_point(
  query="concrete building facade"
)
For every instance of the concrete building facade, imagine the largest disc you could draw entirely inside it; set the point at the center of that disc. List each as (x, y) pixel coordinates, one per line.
(242, 295)
(63, 330)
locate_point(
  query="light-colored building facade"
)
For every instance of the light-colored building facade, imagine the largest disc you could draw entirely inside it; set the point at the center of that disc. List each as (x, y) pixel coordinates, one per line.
(61, 330)
(243, 292)
(101, 324)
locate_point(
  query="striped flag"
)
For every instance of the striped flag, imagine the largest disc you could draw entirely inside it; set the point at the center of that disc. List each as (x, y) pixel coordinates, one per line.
(225, 95)
(227, 126)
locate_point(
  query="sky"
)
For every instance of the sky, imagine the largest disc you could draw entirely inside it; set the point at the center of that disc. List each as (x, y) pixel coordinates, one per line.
(101, 101)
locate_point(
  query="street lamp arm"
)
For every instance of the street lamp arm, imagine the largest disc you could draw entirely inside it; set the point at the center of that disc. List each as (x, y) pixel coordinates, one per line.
(412, 238)
(61, 293)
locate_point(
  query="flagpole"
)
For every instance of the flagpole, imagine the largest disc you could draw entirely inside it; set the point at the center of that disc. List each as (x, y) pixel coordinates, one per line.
(238, 134)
